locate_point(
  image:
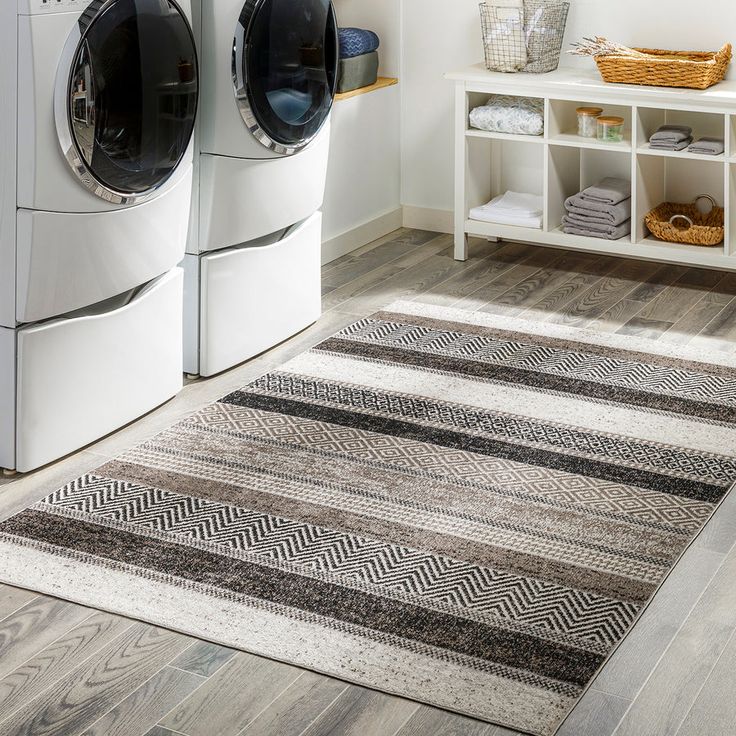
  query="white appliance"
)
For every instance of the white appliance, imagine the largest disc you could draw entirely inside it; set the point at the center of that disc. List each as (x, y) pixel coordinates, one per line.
(269, 74)
(96, 158)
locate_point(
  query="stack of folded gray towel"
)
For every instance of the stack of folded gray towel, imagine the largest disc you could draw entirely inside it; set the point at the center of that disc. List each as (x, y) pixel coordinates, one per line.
(601, 211)
(680, 137)
(671, 138)
(708, 146)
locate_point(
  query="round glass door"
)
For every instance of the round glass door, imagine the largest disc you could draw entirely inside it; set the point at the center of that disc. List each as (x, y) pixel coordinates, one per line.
(132, 96)
(285, 59)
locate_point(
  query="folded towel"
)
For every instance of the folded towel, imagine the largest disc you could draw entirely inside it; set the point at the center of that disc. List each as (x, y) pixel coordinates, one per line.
(708, 146)
(670, 145)
(357, 41)
(511, 208)
(674, 133)
(586, 224)
(517, 203)
(613, 233)
(610, 191)
(613, 214)
(478, 213)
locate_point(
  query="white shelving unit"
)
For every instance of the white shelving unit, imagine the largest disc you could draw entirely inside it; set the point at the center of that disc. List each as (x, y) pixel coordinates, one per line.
(560, 163)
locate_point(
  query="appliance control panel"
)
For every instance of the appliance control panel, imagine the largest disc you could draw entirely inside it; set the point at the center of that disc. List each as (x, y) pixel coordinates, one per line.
(42, 7)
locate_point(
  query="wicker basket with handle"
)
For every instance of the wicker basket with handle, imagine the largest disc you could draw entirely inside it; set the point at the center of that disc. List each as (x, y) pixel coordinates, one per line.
(694, 69)
(685, 223)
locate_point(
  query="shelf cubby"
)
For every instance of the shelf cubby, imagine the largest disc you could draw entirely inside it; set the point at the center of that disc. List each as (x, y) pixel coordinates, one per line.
(563, 119)
(572, 169)
(702, 123)
(477, 99)
(560, 163)
(496, 166)
(674, 180)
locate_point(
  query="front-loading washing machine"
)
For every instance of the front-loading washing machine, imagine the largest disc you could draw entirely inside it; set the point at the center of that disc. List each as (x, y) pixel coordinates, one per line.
(269, 76)
(96, 156)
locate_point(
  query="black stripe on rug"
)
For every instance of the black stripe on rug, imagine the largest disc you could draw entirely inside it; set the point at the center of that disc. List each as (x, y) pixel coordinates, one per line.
(465, 637)
(532, 379)
(685, 487)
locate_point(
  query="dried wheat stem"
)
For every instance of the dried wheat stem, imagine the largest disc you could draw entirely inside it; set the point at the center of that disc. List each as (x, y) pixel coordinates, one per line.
(601, 46)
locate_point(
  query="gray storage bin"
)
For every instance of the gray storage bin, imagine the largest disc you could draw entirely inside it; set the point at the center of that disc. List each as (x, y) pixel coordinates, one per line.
(358, 71)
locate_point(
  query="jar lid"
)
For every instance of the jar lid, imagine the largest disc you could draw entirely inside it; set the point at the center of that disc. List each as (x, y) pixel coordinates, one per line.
(611, 120)
(592, 111)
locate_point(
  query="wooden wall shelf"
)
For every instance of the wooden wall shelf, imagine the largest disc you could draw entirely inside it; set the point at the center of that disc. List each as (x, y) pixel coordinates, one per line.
(380, 84)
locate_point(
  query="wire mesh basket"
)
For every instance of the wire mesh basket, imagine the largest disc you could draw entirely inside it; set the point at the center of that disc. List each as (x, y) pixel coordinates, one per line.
(523, 35)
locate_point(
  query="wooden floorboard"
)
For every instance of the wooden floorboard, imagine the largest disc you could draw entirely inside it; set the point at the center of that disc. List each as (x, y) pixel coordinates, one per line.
(297, 707)
(11, 599)
(234, 696)
(429, 722)
(66, 670)
(598, 713)
(203, 658)
(714, 711)
(538, 285)
(673, 686)
(358, 712)
(619, 284)
(33, 627)
(50, 663)
(141, 710)
(80, 698)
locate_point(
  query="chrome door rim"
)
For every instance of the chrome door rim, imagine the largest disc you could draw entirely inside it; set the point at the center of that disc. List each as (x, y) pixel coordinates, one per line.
(240, 85)
(63, 112)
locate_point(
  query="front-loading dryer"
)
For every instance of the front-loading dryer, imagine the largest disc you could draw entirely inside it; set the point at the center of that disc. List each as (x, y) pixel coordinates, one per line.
(97, 166)
(269, 76)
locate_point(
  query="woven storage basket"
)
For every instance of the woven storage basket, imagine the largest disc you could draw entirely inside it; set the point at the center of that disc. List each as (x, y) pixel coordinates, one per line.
(707, 229)
(697, 70)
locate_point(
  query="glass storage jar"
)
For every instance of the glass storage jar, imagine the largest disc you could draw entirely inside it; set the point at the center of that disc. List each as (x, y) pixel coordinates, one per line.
(587, 121)
(610, 129)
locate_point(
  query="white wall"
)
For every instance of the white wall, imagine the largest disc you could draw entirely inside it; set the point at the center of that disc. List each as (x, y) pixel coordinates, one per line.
(444, 35)
(363, 196)
(381, 16)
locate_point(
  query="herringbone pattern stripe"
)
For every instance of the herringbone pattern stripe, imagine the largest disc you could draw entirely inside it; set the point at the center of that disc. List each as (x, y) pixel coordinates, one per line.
(491, 591)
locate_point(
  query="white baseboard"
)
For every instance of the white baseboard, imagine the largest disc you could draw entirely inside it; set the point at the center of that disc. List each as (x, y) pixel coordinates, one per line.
(423, 218)
(359, 236)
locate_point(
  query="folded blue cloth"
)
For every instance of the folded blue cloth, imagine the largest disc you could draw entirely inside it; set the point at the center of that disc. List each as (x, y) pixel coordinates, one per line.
(356, 42)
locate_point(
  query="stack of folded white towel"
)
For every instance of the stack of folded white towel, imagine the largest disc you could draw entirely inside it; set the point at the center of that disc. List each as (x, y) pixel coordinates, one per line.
(600, 211)
(511, 208)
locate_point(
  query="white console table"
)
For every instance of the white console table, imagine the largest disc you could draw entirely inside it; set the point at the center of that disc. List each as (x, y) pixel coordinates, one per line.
(560, 163)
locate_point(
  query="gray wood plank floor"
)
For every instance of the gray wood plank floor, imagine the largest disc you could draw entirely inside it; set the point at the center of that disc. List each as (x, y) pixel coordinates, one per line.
(67, 670)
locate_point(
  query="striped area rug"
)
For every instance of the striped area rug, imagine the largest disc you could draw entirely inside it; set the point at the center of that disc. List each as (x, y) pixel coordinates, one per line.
(462, 509)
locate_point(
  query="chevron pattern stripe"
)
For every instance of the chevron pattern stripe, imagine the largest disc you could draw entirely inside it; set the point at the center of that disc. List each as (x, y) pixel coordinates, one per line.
(467, 586)
(463, 509)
